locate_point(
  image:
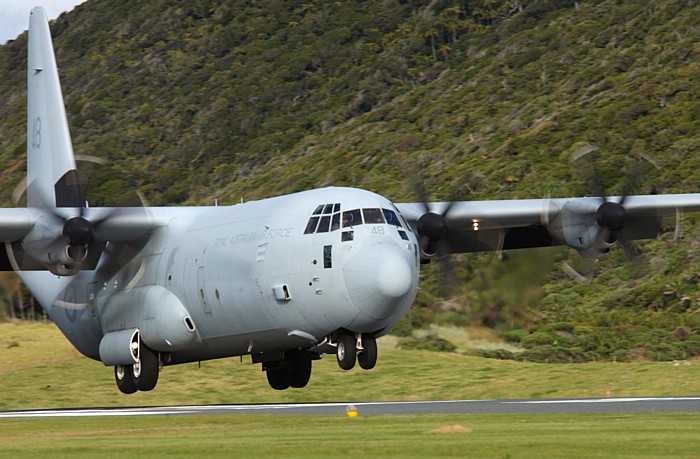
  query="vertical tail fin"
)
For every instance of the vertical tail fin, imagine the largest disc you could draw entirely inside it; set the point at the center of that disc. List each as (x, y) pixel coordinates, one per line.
(52, 178)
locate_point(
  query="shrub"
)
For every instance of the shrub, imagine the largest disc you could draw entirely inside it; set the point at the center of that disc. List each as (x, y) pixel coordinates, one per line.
(514, 336)
(499, 354)
(430, 342)
(537, 339)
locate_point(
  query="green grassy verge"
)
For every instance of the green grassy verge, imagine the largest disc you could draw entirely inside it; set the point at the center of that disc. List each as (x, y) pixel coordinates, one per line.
(536, 436)
(39, 369)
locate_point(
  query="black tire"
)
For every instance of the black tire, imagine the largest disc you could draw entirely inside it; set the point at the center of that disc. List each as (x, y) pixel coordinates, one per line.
(367, 358)
(125, 383)
(145, 373)
(346, 352)
(277, 378)
(299, 370)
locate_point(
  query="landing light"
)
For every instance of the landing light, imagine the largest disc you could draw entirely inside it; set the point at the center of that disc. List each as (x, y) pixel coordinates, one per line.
(475, 225)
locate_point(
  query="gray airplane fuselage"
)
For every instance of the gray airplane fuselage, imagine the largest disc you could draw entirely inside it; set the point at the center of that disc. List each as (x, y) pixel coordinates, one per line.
(214, 282)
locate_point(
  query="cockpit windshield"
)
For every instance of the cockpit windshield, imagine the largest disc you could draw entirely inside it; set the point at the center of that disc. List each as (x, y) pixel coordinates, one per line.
(373, 215)
(327, 218)
(352, 218)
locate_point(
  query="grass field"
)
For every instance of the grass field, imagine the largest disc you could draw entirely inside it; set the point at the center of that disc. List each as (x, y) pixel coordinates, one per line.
(517, 436)
(39, 369)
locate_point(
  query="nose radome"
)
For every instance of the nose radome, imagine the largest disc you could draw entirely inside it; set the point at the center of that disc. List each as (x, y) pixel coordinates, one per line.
(377, 279)
(394, 275)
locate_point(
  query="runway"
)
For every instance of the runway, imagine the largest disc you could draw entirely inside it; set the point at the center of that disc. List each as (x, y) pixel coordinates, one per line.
(533, 406)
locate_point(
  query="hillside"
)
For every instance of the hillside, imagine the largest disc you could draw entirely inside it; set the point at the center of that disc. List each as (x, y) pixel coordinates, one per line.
(191, 101)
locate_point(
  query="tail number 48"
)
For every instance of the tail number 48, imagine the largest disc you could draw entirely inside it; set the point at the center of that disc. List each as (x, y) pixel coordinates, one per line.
(36, 132)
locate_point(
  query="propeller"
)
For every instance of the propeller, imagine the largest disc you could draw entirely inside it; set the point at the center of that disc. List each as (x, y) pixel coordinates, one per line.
(611, 216)
(71, 236)
(593, 226)
(431, 226)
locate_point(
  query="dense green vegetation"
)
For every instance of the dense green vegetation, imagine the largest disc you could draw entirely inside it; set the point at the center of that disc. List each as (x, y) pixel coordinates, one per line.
(191, 101)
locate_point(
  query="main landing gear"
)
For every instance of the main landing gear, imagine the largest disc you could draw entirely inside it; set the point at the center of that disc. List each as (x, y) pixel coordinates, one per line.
(142, 375)
(351, 348)
(294, 370)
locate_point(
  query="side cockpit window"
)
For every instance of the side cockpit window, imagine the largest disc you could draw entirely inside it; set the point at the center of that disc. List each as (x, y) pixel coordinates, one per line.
(335, 223)
(391, 217)
(325, 218)
(311, 225)
(324, 225)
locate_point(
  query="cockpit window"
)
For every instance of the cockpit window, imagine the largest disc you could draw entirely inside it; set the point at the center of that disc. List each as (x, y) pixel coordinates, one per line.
(352, 218)
(391, 217)
(402, 219)
(373, 215)
(311, 226)
(325, 218)
(328, 217)
(335, 223)
(324, 225)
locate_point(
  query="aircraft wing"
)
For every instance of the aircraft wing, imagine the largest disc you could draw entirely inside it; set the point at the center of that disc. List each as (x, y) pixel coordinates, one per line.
(30, 234)
(589, 224)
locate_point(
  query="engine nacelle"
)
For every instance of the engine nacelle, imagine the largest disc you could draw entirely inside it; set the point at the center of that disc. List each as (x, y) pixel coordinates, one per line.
(58, 256)
(575, 226)
(53, 250)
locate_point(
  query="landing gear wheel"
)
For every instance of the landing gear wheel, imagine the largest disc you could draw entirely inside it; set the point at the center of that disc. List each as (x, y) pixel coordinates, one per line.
(346, 352)
(144, 373)
(277, 377)
(122, 374)
(299, 370)
(367, 358)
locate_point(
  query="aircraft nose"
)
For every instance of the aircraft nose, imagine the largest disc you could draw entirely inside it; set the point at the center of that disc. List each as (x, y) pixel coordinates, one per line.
(378, 279)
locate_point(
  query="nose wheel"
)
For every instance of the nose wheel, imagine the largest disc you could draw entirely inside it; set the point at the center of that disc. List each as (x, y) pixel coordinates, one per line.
(348, 352)
(367, 358)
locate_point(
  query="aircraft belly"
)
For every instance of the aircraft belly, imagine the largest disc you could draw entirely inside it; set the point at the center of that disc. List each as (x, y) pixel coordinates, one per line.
(70, 309)
(233, 346)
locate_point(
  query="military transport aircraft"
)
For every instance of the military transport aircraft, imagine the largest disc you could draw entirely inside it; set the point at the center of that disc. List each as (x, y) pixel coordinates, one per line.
(285, 280)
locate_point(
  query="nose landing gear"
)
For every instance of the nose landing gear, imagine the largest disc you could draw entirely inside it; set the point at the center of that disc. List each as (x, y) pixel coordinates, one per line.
(351, 348)
(346, 352)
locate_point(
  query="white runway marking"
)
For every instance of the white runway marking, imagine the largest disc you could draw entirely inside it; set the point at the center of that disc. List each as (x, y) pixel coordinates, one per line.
(545, 406)
(607, 400)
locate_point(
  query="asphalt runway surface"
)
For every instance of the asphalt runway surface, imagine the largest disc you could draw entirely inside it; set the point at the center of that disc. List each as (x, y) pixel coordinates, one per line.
(533, 406)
